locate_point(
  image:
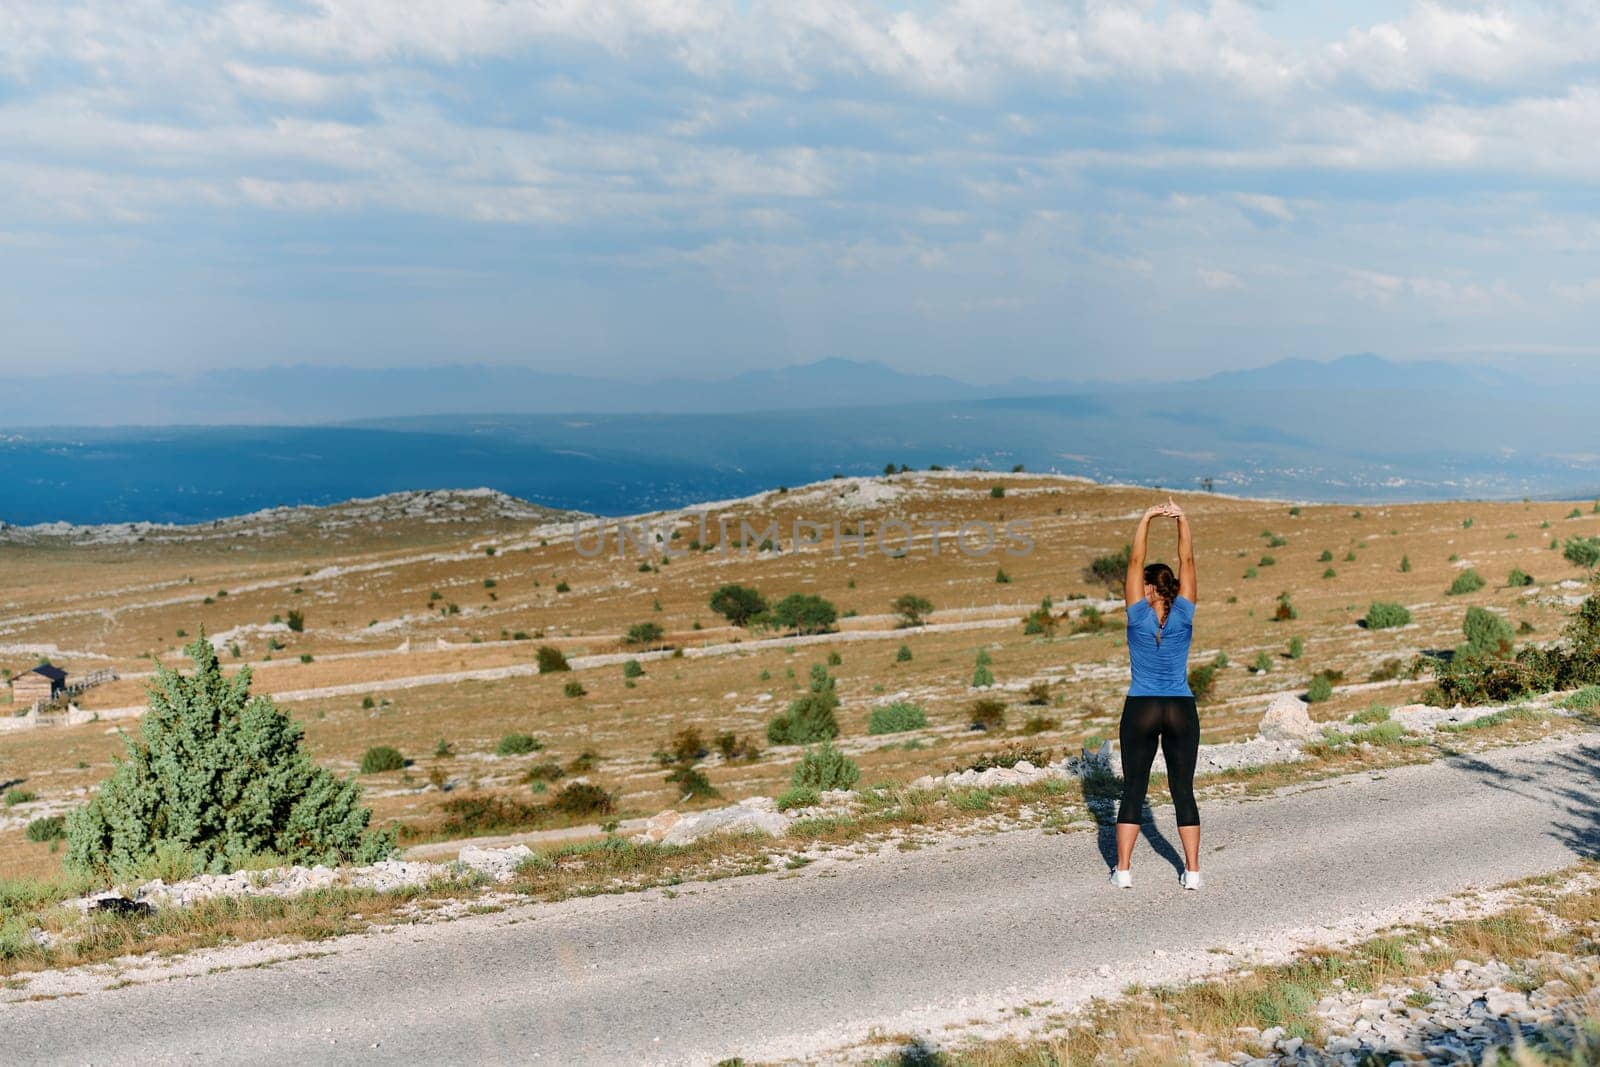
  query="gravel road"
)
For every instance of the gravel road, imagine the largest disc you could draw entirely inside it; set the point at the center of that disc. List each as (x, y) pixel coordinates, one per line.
(795, 964)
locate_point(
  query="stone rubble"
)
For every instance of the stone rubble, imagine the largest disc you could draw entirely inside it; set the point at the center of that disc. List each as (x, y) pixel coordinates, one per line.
(1458, 1016)
(495, 864)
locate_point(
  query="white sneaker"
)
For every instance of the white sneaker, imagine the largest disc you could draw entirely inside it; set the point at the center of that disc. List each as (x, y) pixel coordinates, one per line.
(1189, 879)
(1121, 879)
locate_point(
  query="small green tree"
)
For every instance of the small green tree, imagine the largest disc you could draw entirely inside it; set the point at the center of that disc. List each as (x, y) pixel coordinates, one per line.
(1488, 635)
(551, 660)
(904, 655)
(1518, 578)
(1111, 570)
(220, 775)
(1297, 647)
(296, 620)
(810, 717)
(982, 676)
(911, 609)
(632, 669)
(643, 633)
(805, 612)
(1468, 581)
(1320, 689)
(738, 604)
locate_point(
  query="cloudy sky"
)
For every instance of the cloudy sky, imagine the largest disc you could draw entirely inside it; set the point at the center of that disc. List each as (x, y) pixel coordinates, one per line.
(642, 187)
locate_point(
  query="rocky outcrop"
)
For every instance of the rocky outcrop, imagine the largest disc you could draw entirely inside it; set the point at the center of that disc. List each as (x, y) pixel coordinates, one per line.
(1288, 719)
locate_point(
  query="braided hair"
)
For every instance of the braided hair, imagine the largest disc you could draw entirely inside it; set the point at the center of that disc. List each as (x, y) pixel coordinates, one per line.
(1160, 575)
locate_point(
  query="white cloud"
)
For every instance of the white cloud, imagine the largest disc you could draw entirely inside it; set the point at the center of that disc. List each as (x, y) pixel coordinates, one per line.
(1216, 278)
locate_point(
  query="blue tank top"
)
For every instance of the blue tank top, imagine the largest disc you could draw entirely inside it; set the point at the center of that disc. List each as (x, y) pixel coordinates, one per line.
(1159, 655)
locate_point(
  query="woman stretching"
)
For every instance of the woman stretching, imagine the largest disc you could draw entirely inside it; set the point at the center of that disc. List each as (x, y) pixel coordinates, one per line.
(1160, 706)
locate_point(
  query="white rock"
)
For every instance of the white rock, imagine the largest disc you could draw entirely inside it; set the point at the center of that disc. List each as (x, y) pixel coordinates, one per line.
(1287, 719)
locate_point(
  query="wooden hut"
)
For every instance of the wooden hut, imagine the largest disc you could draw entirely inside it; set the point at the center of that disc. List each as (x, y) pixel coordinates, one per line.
(43, 682)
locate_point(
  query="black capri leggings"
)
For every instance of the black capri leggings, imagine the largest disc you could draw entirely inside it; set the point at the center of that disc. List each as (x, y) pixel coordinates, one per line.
(1175, 724)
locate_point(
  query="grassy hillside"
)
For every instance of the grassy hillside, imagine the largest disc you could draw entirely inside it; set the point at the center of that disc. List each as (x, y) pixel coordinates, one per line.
(421, 615)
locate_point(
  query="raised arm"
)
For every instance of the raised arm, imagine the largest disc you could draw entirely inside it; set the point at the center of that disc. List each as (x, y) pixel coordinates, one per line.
(1186, 574)
(1133, 582)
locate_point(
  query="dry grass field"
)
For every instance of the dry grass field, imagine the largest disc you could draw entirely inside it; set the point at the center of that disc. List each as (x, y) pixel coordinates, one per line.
(422, 615)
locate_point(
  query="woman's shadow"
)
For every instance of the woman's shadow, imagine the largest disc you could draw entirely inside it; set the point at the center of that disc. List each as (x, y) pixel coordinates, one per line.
(1102, 793)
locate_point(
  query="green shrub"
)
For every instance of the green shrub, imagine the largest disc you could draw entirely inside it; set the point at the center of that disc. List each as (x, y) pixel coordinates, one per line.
(1405, 564)
(911, 609)
(982, 676)
(574, 689)
(543, 771)
(563, 587)
(1582, 551)
(1038, 693)
(1326, 557)
(997, 491)
(1468, 581)
(904, 655)
(643, 633)
(1487, 634)
(1285, 610)
(1001, 577)
(824, 767)
(987, 713)
(18, 796)
(1262, 664)
(1089, 621)
(1110, 571)
(1320, 689)
(1297, 647)
(1384, 614)
(1518, 577)
(381, 758)
(632, 669)
(1330, 573)
(488, 813)
(1585, 699)
(806, 613)
(1041, 620)
(1571, 663)
(1039, 757)
(551, 660)
(1383, 734)
(222, 775)
(1203, 678)
(49, 828)
(517, 745)
(692, 781)
(1375, 714)
(296, 620)
(582, 798)
(738, 604)
(798, 798)
(1267, 561)
(812, 716)
(895, 718)
(443, 750)
(835, 660)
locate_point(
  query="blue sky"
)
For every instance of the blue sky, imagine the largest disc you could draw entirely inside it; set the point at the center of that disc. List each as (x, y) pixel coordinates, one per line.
(631, 188)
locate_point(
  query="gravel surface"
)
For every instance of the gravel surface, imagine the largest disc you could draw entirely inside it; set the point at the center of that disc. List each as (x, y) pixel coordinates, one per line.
(796, 964)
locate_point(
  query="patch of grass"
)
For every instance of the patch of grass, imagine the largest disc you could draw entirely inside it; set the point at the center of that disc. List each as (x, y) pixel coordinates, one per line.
(1375, 714)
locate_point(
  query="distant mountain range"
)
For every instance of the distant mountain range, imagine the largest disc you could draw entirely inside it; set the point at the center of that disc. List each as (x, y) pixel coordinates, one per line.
(310, 395)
